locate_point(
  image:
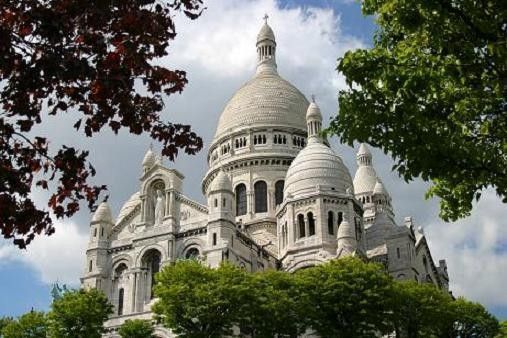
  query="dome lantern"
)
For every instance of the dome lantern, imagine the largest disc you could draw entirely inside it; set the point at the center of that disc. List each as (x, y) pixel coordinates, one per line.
(266, 48)
(313, 121)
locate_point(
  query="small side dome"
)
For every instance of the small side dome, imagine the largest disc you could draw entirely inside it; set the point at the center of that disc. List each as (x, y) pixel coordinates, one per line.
(103, 213)
(317, 165)
(266, 33)
(363, 150)
(379, 189)
(220, 183)
(149, 159)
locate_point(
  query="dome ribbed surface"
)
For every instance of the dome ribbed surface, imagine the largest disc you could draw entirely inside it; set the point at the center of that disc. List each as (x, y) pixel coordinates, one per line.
(149, 158)
(365, 180)
(103, 213)
(221, 182)
(316, 165)
(380, 189)
(265, 101)
(130, 205)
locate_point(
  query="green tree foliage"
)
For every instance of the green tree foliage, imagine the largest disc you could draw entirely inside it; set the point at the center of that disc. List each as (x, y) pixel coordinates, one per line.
(274, 293)
(79, 314)
(502, 333)
(432, 92)
(419, 310)
(98, 61)
(3, 323)
(470, 320)
(30, 325)
(340, 297)
(136, 329)
(197, 301)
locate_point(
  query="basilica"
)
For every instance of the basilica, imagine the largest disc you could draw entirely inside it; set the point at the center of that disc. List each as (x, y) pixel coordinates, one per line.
(278, 197)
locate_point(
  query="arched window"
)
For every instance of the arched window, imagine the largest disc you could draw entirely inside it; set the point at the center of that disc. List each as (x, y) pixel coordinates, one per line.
(240, 200)
(151, 262)
(330, 222)
(261, 196)
(279, 192)
(311, 224)
(301, 225)
(120, 301)
(192, 253)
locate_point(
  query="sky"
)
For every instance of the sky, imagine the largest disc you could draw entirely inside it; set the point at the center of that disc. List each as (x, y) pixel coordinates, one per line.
(218, 52)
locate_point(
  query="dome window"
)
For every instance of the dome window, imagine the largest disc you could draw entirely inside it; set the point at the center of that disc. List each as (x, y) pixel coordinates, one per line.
(301, 225)
(311, 224)
(241, 200)
(261, 192)
(279, 192)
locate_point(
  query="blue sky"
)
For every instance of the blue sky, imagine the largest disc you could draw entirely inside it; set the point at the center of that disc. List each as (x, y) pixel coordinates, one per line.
(219, 55)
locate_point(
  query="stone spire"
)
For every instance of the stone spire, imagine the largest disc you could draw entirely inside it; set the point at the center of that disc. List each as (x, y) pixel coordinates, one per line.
(313, 121)
(266, 49)
(149, 159)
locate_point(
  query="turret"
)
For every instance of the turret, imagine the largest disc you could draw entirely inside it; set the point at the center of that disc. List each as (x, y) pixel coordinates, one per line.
(96, 256)
(347, 243)
(149, 160)
(313, 121)
(221, 218)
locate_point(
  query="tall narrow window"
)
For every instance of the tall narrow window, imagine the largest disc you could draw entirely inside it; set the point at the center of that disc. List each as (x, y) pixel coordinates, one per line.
(301, 225)
(90, 266)
(240, 200)
(340, 218)
(95, 232)
(261, 196)
(214, 239)
(398, 252)
(155, 267)
(330, 222)
(279, 192)
(120, 301)
(311, 224)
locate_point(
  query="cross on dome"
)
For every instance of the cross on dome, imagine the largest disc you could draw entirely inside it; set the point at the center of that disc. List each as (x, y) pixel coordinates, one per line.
(266, 17)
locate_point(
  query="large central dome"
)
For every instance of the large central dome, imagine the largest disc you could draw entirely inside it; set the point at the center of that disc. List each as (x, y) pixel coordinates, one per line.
(267, 100)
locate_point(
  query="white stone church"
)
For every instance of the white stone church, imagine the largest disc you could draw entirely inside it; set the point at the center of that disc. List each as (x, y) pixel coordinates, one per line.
(278, 197)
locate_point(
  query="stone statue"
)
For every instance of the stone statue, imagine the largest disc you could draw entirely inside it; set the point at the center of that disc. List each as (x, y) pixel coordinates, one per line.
(159, 207)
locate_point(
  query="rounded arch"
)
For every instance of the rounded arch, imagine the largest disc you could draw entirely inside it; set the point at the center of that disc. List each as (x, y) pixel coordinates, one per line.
(123, 258)
(189, 243)
(143, 252)
(304, 264)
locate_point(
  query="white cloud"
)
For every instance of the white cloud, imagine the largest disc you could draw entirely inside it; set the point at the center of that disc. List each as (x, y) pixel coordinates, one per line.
(476, 251)
(59, 257)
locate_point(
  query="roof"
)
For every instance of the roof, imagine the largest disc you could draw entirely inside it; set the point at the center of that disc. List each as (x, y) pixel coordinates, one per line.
(220, 182)
(365, 179)
(317, 166)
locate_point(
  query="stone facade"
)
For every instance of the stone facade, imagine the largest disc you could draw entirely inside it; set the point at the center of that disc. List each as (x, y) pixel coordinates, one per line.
(278, 197)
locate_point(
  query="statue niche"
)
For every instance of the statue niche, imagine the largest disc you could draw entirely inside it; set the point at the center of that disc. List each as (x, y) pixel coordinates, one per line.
(156, 203)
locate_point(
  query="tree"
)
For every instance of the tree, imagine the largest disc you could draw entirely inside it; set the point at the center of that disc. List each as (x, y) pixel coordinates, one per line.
(419, 310)
(79, 314)
(30, 325)
(136, 329)
(3, 323)
(502, 333)
(470, 320)
(197, 301)
(432, 92)
(346, 298)
(273, 306)
(96, 60)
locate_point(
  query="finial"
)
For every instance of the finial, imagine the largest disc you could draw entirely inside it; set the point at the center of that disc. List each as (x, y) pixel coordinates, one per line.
(266, 17)
(313, 98)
